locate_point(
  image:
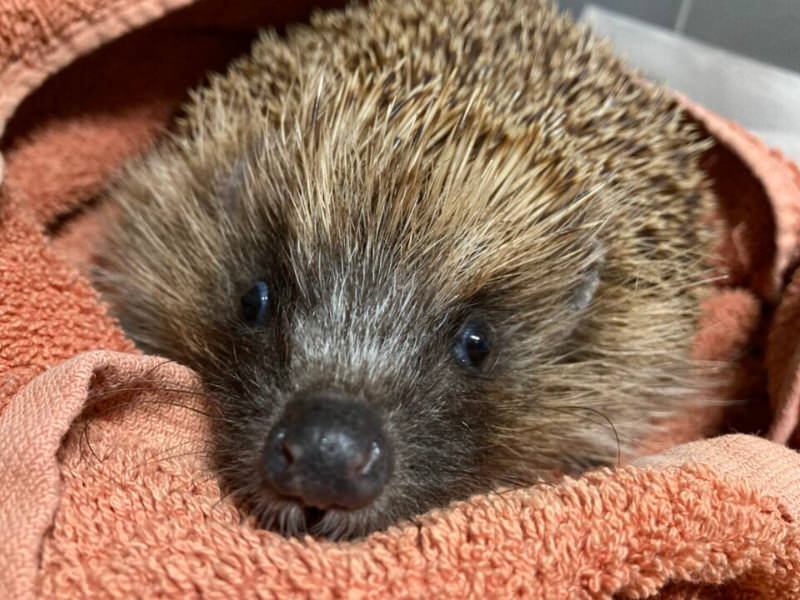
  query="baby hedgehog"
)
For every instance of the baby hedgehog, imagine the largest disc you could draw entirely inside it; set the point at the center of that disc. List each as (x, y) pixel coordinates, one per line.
(416, 251)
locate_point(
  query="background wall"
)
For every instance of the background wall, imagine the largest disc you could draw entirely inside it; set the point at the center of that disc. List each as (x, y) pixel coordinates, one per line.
(767, 30)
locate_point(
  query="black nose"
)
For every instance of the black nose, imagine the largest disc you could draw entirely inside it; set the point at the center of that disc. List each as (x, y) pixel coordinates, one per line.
(327, 452)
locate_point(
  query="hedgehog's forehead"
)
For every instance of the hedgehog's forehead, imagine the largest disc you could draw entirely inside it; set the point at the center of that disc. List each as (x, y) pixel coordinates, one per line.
(364, 268)
(457, 235)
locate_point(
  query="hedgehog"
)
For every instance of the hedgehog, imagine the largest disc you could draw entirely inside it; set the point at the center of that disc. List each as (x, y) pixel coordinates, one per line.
(417, 251)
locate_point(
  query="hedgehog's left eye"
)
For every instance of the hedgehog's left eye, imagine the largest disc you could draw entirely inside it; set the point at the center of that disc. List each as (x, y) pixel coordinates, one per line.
(255, 303)
(473, 345)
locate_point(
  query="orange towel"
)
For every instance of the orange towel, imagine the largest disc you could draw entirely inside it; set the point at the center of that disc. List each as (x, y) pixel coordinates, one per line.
(104, 483)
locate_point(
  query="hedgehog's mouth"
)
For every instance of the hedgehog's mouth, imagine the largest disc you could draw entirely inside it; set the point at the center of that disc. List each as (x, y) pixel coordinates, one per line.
(293, 518)
(313, 517)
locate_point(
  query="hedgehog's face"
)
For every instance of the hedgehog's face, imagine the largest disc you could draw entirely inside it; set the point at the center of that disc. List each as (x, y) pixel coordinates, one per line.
(361, 384)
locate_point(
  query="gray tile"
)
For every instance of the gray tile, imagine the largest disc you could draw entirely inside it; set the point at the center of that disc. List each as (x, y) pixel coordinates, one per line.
(658, 12)
(768, 30)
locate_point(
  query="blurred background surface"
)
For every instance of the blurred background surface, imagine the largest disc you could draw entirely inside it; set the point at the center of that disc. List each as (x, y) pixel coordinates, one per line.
(741, 58)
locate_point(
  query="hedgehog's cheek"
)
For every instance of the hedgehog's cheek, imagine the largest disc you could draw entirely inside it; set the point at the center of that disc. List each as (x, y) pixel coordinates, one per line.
(328, 451)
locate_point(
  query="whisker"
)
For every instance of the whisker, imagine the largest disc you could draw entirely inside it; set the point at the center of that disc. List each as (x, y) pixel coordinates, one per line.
(179, 405)
(163, 362)
(606, 418)
(158, 459)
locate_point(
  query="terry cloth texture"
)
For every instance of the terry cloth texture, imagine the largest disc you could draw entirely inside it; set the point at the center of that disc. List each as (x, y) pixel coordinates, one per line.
(105, 489)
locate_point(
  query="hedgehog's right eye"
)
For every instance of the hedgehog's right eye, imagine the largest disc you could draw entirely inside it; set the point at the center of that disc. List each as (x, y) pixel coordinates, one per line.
(255, 303)
(473, 346)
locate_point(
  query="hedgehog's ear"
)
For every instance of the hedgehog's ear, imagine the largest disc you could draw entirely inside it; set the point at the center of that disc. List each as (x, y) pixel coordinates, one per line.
(234, 177)
(229, 186)
(583, 293)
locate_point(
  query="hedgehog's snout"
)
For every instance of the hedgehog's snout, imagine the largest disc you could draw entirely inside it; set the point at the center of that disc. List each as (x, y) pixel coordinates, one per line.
(328, 451)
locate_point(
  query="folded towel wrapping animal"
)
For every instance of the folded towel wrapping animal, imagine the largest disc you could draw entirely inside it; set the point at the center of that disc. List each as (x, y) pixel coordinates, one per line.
(104, 482)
